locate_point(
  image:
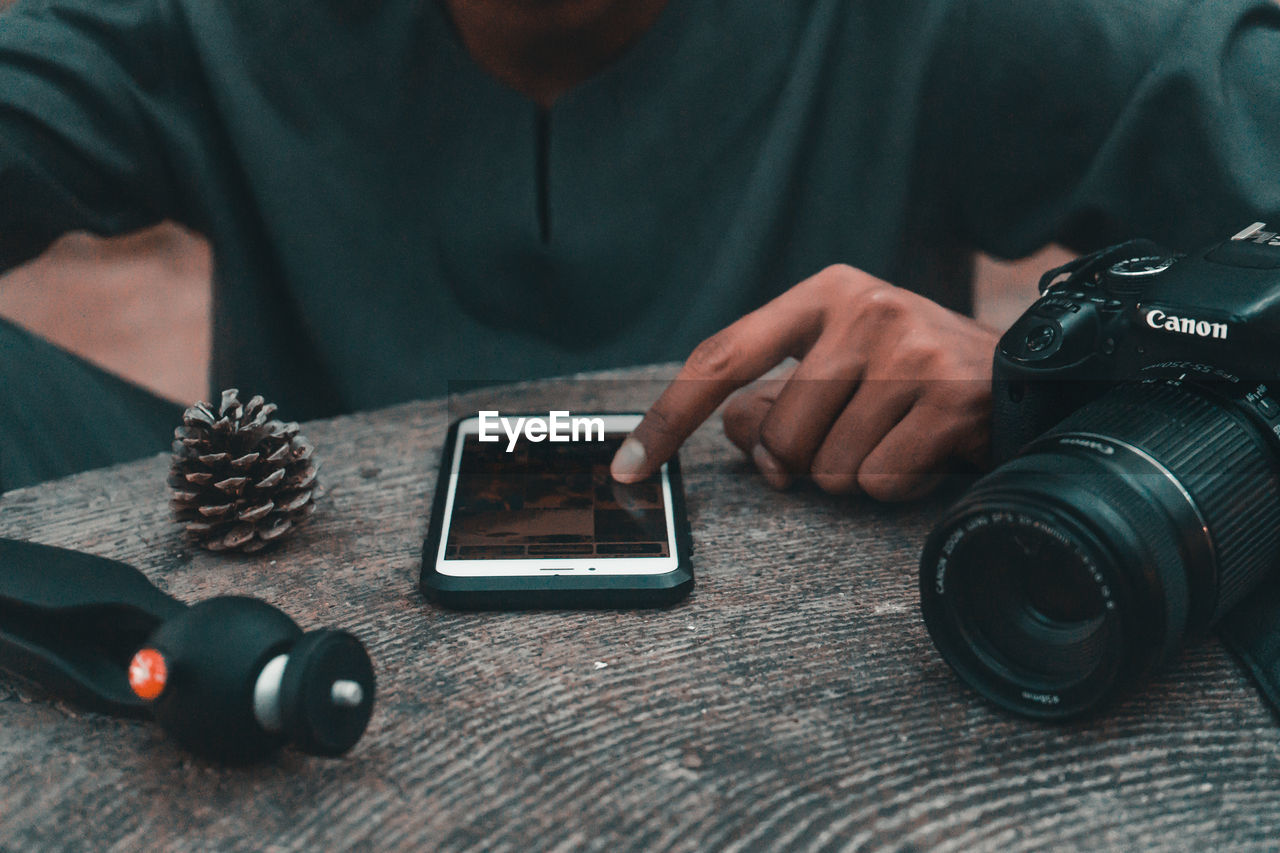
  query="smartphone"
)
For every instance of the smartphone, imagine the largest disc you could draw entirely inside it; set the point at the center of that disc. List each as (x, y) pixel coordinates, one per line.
(529, 517)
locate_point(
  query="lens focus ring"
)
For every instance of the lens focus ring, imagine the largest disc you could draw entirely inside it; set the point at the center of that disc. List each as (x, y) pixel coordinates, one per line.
(1219, 458)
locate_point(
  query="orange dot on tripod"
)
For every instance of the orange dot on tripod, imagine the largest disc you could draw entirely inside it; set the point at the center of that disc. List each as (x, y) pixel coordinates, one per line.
(148, 673)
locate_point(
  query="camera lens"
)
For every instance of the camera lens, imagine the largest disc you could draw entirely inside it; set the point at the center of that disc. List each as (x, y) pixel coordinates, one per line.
(1059, 591)
(1035, 604)
(1066, 574)
(1026, 605)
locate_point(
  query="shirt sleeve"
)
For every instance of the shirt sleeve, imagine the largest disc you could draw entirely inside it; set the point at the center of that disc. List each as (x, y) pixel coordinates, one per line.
(84, 86)
(1090, 121)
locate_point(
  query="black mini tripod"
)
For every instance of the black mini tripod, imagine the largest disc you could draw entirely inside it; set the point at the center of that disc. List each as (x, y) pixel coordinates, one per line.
(230, 678)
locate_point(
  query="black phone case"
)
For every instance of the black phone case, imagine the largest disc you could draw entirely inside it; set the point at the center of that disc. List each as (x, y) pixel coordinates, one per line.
(554, 592)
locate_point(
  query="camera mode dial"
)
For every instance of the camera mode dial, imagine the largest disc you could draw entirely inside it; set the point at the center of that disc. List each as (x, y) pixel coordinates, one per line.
(1131, 276)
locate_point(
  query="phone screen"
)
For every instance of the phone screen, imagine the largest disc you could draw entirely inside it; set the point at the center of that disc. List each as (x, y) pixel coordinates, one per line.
(544, 506)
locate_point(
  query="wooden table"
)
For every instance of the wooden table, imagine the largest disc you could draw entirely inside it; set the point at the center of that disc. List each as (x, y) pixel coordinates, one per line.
(794, 702)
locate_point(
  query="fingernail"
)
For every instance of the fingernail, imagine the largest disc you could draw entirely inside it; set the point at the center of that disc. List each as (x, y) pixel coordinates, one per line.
(774, 474)
(628, 462)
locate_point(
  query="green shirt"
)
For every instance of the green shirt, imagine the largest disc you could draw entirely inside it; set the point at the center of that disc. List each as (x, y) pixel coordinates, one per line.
(385, 217)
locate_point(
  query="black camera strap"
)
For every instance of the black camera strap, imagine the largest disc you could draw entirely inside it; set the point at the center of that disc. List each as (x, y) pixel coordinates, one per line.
(1086, 268)
(1252, 631)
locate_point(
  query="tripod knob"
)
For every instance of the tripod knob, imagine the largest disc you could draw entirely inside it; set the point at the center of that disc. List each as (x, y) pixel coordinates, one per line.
(320, 695)
(233, 678)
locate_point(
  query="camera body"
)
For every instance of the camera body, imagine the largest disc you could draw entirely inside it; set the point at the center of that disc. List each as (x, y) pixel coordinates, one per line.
(1134, 312)
(1136, 420)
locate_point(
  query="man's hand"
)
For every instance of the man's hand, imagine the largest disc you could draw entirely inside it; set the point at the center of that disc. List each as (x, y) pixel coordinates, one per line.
(890, 387)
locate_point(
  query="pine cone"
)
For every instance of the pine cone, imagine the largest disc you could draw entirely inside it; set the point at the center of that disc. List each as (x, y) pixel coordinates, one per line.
(239, 480)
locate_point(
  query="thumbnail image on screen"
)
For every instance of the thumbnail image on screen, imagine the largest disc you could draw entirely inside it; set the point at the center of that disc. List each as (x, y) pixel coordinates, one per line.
(552, 500)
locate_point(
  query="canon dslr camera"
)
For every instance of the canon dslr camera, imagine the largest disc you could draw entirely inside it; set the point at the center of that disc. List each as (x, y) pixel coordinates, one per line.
(1151, 505)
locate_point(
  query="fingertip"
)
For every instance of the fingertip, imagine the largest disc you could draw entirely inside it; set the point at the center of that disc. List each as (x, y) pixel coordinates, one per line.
(898, 488)
(741, 421)
(835, 483)
(772, 470)
(628, 464)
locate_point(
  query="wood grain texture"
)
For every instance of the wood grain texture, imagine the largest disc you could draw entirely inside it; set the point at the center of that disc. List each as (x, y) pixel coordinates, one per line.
(794, 702)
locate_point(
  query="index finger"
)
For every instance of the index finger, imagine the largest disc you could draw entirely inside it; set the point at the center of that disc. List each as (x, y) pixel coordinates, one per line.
(723, 363)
